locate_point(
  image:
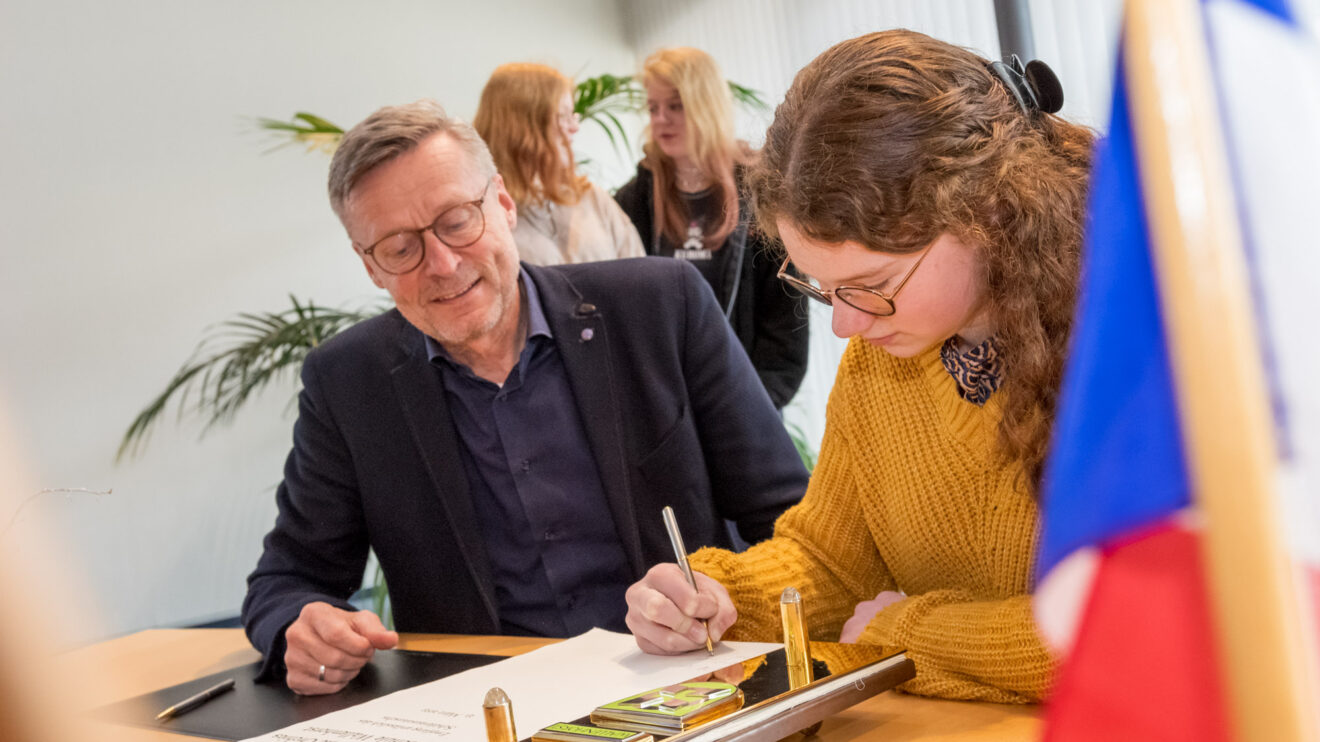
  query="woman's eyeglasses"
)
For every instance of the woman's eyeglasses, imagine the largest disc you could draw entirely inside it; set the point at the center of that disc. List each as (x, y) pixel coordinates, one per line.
(861, 298)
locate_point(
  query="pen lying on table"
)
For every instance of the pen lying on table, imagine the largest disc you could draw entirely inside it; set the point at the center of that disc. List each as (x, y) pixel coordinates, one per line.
(192, 702)
(680, 554)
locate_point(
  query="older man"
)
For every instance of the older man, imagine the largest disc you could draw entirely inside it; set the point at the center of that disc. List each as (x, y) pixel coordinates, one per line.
(506, 438)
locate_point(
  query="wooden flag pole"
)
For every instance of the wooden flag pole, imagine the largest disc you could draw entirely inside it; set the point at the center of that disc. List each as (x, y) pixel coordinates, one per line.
(1217, 369)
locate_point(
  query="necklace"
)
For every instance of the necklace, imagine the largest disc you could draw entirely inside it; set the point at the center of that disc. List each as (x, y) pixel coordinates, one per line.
(690, 180)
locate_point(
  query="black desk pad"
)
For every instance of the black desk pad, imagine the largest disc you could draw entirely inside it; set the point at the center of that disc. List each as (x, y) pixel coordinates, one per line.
(252, 709)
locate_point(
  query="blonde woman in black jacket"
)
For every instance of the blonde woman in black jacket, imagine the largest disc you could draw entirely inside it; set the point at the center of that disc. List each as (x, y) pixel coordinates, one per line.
(686, 203)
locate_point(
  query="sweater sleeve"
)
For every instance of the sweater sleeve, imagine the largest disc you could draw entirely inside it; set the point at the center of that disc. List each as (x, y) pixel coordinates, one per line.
(821, 546)
(967, 649)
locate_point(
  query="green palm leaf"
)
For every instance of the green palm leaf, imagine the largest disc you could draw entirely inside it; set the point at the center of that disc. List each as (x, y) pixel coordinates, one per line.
(238, 358)
(602, 98)
(305, 128)
(748, 97)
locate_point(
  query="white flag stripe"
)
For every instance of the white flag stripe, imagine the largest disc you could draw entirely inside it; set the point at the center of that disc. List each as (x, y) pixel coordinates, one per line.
(1062, 596)
(1269, 73)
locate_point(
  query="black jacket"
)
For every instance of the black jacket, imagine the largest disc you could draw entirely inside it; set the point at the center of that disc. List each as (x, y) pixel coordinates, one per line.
(769, 318)
(672, 409)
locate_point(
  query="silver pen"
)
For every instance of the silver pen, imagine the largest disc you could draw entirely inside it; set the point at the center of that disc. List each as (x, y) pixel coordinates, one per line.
(680, 555)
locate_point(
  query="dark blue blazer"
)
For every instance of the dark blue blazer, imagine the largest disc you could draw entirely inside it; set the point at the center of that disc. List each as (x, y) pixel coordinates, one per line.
(673, 410)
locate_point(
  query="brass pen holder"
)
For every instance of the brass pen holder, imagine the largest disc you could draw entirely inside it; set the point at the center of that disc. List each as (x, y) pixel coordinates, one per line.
(797, 650)
(498, 711)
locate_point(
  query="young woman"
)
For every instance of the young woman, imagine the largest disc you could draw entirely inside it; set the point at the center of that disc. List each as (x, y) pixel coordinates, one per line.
(941, 219)
(686, 204)
(526, 117)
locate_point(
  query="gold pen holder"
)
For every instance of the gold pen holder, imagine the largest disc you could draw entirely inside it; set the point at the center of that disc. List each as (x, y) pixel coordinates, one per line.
(797, 651)
(498, 710)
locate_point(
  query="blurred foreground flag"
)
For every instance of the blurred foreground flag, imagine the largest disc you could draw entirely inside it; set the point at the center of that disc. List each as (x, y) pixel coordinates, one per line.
(1161, 584)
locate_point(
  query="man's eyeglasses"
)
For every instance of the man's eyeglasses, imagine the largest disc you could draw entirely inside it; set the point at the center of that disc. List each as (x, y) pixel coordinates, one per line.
(458, 226)
(861, 298)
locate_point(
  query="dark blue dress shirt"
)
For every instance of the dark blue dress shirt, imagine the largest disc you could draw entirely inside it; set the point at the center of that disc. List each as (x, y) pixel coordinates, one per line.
(555, 554)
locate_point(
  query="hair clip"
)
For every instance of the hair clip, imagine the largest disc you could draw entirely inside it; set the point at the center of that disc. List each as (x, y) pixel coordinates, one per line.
(1034, 87)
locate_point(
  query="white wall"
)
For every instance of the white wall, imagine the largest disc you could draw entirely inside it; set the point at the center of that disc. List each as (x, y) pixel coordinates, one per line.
(137, 208)
(1078, 39)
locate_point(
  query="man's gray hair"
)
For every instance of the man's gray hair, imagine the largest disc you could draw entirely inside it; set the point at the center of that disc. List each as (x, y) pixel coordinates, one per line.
(392, 131)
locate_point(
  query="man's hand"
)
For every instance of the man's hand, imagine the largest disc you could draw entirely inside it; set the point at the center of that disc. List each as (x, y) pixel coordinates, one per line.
(327, 647)
(664, 610)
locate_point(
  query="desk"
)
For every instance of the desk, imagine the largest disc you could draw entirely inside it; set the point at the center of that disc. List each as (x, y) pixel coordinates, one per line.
(149, 660)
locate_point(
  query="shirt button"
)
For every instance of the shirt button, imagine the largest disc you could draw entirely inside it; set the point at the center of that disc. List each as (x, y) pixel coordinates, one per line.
(551, 534)
(526, 466)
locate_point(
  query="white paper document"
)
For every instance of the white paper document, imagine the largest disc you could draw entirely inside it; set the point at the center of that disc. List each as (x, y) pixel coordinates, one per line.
(560, 682)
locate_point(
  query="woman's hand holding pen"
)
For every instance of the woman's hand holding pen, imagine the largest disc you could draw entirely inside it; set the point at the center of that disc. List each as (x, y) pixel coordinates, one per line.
(327, 647)
(664, 611)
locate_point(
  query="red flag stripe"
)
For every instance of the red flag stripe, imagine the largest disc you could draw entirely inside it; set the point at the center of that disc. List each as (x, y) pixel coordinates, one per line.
(1144, 666)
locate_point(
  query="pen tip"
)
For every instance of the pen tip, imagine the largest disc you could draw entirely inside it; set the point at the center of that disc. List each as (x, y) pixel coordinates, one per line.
(165, 714)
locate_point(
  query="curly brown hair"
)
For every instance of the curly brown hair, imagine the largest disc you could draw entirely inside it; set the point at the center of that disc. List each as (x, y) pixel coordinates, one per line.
(891, 139)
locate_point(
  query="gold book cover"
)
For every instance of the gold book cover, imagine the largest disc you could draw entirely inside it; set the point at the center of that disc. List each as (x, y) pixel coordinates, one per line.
(671, 708)
(563, 732)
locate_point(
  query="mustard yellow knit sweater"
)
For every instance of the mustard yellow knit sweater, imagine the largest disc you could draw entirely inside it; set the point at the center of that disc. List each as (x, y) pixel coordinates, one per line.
(909, 495)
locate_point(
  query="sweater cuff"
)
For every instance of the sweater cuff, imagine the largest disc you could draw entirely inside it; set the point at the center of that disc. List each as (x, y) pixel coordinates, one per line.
(892, 626)
(967, 649)
(718, 564)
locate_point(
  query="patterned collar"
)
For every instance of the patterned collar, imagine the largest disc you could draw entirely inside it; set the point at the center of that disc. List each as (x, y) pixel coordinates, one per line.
(977, 371)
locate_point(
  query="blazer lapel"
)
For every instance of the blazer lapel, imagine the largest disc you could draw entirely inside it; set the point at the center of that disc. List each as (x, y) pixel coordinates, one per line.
(579, 333)
(422, 399)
